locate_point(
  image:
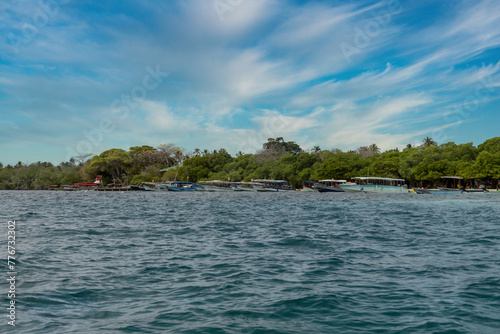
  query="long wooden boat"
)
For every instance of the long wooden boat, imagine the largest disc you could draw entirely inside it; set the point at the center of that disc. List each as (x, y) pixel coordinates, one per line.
(137, 188)
(371, 184)
(181, 186)
(259, 187)
(274, 185)
(243, 186)
(217, 185)
(447, 191)
(451, 185)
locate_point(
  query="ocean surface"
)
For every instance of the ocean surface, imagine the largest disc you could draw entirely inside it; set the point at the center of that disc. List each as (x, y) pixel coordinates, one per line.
(168, 262)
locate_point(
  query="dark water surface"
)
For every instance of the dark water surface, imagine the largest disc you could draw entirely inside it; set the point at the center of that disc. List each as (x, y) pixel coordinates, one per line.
(167, 262)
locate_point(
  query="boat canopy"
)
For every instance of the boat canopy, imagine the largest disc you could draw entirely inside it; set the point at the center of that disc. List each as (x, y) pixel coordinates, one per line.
(270, 181)
(367, 178)
(336, 181)
(217, 181)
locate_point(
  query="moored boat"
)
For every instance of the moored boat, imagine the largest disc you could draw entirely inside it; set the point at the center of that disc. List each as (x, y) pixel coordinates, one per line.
(181, 186)
(472, 185)
(437, 191)
(308, 186)
(274, 185)
(371, 184)
(137, 188)
(259, 187)
(243, 186)
(153, 185)
(328, 185)
(217, 185)
(451, 185)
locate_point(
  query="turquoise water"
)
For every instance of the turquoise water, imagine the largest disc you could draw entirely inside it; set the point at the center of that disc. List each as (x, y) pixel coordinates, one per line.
(167, 262)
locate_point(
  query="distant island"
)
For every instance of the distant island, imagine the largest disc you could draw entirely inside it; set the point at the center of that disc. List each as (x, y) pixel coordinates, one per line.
(420, 166)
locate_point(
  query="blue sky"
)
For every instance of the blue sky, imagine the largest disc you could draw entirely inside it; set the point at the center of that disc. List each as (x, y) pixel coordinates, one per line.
(78, 77)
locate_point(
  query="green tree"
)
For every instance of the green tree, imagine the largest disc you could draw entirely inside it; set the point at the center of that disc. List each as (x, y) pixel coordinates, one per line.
(427, 142)
(491, 145)
(374, 148)
(487, 166)
(112, 164)
(279, 144)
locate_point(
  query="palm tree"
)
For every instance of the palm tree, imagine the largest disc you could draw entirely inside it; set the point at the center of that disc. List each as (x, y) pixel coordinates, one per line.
(408, 146)
(428, 142)
(374, 148)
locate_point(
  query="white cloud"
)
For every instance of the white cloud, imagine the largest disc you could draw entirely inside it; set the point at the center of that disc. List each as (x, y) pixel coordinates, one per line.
(380, 123)
(160, 117)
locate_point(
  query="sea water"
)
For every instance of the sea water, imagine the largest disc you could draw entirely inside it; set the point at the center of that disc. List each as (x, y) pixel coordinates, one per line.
(287, 262)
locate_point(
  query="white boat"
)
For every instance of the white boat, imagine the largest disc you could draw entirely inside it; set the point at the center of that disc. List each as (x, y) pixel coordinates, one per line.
(259, 187)
(199, 187)
(243, 186)
(371, 184)
(274, 185)
(216, 185)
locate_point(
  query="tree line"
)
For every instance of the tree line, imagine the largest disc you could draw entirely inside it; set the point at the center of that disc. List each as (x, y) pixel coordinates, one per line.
(421, 166)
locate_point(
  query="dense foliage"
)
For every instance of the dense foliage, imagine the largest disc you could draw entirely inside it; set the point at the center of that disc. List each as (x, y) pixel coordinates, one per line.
(420, 166)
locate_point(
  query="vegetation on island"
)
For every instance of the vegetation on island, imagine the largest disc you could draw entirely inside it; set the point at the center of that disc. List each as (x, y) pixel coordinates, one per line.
(421, 166)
